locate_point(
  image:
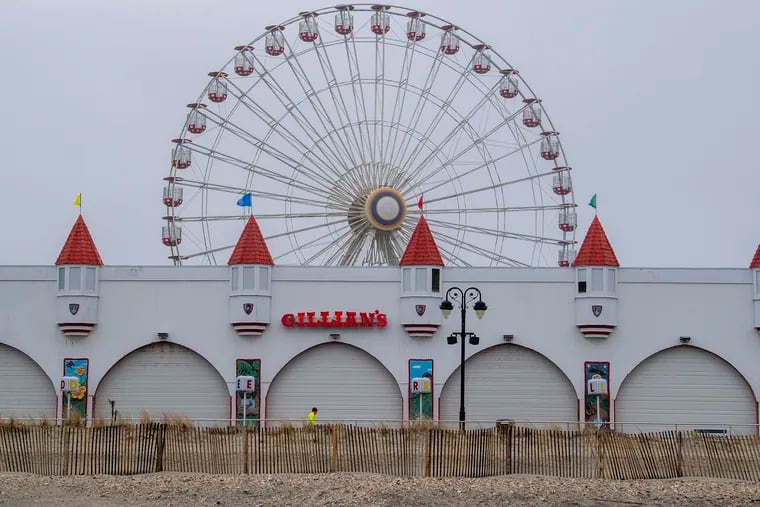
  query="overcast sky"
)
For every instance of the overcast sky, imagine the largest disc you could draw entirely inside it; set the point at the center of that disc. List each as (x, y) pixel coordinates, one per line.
(657, 104)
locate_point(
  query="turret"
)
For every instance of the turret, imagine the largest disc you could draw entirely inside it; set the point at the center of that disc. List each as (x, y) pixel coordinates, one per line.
(250, 282)
(596, 298)
(755, 267)
(421, 268)
(77, 288)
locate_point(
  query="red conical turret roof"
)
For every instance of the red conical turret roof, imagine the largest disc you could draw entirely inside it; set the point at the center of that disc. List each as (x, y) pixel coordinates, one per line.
(755, 264)
(251, 247)
(421, 250)
(79, 247)
(596, 249)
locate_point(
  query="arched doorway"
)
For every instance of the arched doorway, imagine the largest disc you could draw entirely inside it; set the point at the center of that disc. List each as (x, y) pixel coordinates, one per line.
(164, 379)
(511, 382)
(346, 383)
(25, 388)
(685, 386)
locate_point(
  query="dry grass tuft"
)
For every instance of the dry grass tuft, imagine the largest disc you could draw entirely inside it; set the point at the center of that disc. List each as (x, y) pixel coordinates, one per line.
(180, 422)
(421, 427)
(75, 420)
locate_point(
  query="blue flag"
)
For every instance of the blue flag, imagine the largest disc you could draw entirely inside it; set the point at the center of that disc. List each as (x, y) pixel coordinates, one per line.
(245, 200)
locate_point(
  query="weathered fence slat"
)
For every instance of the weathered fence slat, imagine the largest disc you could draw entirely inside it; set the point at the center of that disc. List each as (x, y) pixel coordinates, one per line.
(412, 451)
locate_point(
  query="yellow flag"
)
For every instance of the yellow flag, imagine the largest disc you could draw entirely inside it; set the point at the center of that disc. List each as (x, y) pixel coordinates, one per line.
(78, 200)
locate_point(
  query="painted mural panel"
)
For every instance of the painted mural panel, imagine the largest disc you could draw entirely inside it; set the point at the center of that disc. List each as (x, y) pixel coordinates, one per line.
(597, 399)
(250, 403)
(420, 389)
(76, 367)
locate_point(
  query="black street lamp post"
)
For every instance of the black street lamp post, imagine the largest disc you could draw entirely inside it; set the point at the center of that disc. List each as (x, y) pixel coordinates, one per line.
(463, 299)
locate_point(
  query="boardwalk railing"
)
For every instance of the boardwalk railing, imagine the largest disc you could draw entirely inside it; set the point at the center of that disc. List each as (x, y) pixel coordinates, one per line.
(410, 451)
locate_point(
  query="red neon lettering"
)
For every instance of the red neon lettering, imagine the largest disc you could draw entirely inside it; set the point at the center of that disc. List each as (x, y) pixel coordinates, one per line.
(336, 318)
(368, 319)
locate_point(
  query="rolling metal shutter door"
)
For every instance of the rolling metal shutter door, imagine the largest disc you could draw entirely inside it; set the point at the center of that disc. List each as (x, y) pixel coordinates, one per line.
(510, 382)
(26, 389)
(686, 386)
(344, 382)
(164, 379)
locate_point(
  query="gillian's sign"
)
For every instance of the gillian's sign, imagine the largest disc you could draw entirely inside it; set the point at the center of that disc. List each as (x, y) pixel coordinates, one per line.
(335, 318)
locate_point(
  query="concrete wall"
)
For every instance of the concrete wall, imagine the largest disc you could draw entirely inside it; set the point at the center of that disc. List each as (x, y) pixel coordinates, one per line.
(536, 305)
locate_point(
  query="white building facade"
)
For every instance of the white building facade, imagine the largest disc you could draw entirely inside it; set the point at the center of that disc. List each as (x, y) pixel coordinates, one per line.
(673, 346)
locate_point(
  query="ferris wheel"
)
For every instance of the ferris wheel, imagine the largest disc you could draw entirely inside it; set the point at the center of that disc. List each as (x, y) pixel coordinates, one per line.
(339, 127)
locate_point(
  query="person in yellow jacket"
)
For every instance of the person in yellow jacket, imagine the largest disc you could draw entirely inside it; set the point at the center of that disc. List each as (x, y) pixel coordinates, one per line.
(312, 417)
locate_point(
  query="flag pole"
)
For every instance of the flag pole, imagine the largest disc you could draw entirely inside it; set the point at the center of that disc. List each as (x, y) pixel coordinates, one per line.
(78, 202)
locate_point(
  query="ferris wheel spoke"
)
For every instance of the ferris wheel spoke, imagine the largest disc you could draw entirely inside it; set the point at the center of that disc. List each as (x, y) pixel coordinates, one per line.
(246, 166)
(359, 100)
(317, 178)
(301, 246)
(379, 101)
(303, 121)
(314, 99)
(276, 125)
(414, 175)
(351, 248)
(403, 87)
(207, 252)
(493, 209)
(255, 194)
(356, 180)
(443, 109)
(330, 246)
(323, 56)
(462, 193)
(422, 101)
(304, 229)
(398, 103)
(260, 216)
(532, 238)
(264, 146)
(394, 249)
(197, 241)
(451, 257)
(457, 243)
(464, 122)
(380, 250)
(209, 218)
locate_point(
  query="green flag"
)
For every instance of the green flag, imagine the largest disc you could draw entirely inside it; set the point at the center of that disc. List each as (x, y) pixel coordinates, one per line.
(592, 202)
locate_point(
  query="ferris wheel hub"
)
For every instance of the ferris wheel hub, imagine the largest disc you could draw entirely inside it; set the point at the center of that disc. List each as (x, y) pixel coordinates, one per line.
(385, 209)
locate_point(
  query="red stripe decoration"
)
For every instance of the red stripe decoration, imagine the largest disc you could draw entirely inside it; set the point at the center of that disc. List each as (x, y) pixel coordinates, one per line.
(250, 328)
(76, 329)
(421, 330)
(596, 331)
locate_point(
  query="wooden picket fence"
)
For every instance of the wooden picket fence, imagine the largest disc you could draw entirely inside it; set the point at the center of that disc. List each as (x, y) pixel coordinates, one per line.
(412, 451)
